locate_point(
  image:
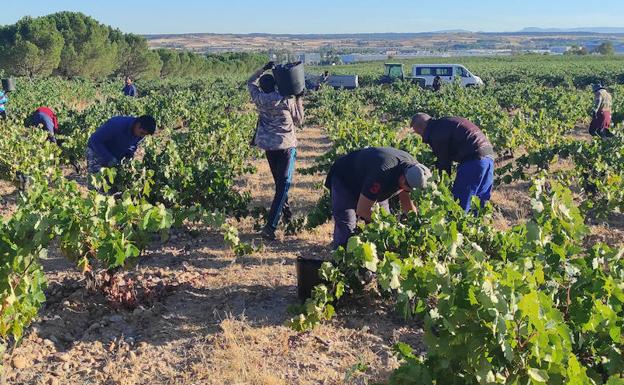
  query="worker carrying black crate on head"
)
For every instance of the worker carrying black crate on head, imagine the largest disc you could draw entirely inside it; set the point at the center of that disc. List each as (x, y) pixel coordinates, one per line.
(278, 116)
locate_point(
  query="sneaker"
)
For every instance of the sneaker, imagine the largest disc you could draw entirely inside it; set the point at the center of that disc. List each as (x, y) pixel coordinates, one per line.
(268, 234)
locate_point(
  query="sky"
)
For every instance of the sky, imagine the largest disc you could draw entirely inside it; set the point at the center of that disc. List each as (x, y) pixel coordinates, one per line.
(327, 16)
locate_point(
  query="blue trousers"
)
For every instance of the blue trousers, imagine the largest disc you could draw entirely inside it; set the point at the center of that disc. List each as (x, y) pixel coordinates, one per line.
(474, 178)
(39, 118)
(282, 164)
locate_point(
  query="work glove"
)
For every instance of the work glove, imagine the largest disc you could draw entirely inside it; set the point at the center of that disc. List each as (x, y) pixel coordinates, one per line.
(269, 66)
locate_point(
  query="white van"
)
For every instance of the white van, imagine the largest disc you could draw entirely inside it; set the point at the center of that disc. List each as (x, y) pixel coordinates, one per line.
(447, 72)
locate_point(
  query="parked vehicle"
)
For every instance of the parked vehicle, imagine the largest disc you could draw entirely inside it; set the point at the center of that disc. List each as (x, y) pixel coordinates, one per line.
(392, 73)
(347, 82)
(448, 73)
(424, 74)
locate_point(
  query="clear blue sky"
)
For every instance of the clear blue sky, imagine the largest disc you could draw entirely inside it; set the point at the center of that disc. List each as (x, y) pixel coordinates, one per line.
(327, 16)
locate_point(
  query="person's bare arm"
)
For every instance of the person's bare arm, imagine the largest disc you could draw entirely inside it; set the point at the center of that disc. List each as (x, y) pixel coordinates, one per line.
(407, 205)
(364, 208)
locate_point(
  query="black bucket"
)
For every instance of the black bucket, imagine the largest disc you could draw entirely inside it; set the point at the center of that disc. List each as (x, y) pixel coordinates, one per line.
(290, 78)
(8, 84)
(307, 276)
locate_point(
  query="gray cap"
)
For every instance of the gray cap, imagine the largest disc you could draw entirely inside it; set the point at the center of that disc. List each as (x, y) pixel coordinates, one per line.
(417, 175)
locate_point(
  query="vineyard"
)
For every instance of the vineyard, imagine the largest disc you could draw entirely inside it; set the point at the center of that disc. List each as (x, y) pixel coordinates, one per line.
(168, 279)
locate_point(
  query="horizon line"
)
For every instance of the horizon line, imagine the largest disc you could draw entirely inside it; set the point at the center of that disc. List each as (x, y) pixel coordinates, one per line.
(542, 30)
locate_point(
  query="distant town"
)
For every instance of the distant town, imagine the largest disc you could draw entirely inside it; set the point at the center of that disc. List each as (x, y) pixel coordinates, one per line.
(351, 48)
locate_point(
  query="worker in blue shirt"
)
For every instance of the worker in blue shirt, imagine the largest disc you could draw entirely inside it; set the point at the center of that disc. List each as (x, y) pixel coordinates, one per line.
(117, 139)
(130, 89)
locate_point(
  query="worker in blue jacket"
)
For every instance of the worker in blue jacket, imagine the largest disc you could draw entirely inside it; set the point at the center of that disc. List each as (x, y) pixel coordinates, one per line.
(117, 139)
(130, 89)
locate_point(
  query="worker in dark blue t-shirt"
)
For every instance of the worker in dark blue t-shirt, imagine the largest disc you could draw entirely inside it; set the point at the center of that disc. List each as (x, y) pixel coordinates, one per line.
(372, 175)
(130, 89)
(117, 139)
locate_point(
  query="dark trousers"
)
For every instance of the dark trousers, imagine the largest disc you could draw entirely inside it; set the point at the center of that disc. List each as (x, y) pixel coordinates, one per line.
(282, 164)
(3, 115)
(344, 205)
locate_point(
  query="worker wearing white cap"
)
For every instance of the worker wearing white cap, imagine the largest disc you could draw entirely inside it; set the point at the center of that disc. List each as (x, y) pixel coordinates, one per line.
(372, 175)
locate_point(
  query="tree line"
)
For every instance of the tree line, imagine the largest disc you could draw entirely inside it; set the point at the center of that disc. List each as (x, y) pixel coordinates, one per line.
(73, 45)
(607, 48)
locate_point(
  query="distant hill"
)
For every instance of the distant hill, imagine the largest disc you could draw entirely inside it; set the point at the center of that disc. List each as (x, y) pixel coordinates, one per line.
(395, 35)
(460, 35)
(453, 31)
(529, 39)
(574, 30)
(314, 36)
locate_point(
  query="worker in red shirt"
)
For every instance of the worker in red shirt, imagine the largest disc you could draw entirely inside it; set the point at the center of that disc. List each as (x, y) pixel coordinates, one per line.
(45, 118)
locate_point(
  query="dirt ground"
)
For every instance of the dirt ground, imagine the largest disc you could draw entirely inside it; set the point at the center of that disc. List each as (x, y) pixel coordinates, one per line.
(217, 318)
(8, 198)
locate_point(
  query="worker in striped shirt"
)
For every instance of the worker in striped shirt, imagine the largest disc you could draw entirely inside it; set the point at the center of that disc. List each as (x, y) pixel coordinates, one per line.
(3, 101)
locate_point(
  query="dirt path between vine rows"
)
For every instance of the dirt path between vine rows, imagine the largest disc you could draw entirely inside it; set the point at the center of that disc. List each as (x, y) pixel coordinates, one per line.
(213, 318)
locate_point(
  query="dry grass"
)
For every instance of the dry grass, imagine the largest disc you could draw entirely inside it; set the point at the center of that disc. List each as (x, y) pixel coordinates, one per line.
(223, 322)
